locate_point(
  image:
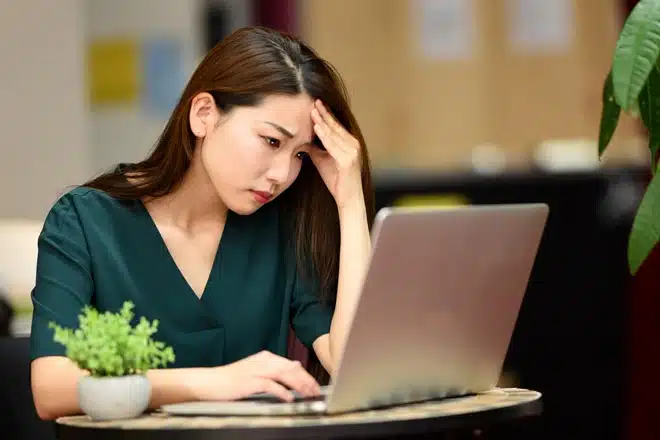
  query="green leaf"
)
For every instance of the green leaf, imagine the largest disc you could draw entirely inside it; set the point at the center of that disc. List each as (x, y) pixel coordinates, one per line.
(609, 117)
(637, 51)
(649, 108)
(105, 344)
(645, 231)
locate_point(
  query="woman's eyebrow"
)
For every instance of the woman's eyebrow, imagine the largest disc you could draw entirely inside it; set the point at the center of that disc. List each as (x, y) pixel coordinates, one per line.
(281, 129)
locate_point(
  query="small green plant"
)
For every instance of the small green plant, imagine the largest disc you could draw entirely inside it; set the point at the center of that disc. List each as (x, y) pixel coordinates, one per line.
(105, 344)
(633, 86)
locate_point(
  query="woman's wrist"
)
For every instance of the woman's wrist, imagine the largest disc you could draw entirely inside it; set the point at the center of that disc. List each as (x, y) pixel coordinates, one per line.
(177, 385)
(353, 210)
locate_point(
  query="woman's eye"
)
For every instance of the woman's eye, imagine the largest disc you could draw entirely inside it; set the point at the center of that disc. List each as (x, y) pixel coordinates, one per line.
(272, 141)
(301, 155)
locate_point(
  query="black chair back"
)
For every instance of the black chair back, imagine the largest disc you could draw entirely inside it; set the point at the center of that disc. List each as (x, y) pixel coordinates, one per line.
(6, 316)
(18, 417)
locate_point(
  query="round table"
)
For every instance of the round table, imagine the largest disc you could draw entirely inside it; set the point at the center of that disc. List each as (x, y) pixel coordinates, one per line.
(442, 416)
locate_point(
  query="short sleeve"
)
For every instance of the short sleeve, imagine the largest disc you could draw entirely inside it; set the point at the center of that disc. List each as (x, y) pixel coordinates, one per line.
(310, 318)
(64, 282)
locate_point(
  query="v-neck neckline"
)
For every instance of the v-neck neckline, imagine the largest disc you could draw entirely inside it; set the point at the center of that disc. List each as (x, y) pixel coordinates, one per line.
(217, 259)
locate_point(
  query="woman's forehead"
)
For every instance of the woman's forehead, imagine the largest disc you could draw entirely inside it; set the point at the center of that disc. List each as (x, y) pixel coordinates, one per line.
(291, 114)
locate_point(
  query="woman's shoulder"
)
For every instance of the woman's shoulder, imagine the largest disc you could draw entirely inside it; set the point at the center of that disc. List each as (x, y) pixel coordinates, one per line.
(86, 204)
(85, 195)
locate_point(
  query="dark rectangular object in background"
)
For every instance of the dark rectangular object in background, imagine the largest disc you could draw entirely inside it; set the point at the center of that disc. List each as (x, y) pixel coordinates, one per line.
(215, 18)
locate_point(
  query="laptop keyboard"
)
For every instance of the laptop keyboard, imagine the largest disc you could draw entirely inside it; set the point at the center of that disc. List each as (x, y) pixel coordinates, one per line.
(297, 397)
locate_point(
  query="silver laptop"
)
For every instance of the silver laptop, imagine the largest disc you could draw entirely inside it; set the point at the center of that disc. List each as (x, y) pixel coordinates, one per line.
(436, 314)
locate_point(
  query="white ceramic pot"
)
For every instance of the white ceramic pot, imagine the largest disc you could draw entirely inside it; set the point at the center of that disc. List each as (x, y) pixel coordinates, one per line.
(114, 398)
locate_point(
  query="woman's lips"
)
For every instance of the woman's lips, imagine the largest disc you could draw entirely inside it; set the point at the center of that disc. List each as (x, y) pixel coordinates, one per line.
(262, 196)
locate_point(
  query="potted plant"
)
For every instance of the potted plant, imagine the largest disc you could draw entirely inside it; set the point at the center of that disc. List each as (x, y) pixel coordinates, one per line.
(117, 356)
(633, 86)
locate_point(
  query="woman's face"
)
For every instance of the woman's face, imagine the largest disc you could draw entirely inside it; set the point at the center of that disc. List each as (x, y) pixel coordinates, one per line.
(253, 154)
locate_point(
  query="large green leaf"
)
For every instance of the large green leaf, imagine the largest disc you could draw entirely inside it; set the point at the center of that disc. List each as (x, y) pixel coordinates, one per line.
(645, 231)
(649, 109)
(609, 117)
(636, 52)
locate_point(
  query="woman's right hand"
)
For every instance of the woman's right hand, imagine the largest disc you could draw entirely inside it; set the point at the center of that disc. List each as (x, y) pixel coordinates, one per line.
(263, 372)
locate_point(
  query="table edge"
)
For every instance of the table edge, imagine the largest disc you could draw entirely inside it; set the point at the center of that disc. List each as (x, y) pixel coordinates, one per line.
(472, 420)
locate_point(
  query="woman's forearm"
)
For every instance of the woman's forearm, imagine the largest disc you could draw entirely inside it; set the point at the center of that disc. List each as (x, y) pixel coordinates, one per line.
(55, 386)
(354, 255)
(175, 385)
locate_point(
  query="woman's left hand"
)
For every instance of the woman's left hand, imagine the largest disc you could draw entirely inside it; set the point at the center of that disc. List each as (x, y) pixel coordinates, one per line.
(339, 166)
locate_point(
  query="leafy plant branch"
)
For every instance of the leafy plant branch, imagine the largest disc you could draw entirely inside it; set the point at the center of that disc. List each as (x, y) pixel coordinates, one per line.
(106, 345)
(633, 86)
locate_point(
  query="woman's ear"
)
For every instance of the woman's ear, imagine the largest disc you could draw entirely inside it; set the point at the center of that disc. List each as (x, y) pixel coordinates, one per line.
(203, 114)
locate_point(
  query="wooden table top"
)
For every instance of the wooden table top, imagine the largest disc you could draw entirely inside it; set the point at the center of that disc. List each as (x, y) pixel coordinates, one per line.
(496, 399)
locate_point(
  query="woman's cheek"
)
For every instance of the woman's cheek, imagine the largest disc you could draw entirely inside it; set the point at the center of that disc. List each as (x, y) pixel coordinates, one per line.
(294, 171)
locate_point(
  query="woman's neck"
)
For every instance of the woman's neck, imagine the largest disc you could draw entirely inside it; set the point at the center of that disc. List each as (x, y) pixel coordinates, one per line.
(193, 205)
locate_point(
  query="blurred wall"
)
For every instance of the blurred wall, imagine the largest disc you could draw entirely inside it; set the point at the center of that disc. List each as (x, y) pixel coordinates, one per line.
(418, 107)
(431, 80)
(126, 132)
(53, 137)
(43, 118)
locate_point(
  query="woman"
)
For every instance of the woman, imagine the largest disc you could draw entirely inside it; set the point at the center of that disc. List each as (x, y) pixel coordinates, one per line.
(228, 233)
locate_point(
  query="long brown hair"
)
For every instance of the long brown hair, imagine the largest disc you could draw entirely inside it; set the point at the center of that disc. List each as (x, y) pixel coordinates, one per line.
(242, 69)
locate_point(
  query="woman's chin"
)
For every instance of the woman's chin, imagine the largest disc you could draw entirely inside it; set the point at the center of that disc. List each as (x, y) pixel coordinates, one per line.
(244, 207)
(245, 203)
(245, 211)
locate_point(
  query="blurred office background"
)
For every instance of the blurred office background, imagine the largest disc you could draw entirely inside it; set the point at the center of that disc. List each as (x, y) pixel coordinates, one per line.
(461, 101)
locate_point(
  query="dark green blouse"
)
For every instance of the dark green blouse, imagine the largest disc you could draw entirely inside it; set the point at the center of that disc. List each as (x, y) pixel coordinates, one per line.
(95, 249)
